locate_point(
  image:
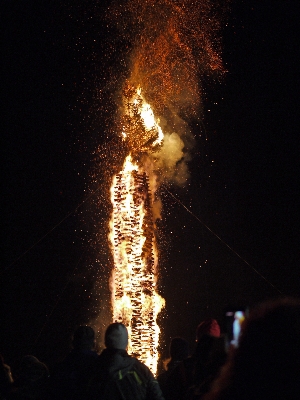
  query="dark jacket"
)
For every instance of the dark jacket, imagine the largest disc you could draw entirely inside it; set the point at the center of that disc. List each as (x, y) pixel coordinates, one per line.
(69, 378)
(164, 379)
(196, 370)
(120, 376)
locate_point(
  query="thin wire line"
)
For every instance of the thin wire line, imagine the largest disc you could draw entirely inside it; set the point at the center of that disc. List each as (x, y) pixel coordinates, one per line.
(51, 230)
(106, 145)
(221, 240)
(59, 298)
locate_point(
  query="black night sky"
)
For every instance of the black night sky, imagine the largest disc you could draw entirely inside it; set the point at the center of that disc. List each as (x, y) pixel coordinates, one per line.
(244, 183)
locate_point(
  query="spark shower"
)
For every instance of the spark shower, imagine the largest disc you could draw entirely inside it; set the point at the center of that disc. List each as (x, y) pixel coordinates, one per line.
(172, 45)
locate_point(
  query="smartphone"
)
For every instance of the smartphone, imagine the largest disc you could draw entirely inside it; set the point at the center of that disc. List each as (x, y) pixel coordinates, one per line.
(234, 318)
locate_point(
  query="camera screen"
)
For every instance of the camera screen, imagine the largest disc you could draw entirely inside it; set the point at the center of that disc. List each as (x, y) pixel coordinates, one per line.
(234, 320)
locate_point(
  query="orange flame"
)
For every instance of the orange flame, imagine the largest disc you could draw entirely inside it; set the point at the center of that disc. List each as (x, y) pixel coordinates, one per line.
(135, 300)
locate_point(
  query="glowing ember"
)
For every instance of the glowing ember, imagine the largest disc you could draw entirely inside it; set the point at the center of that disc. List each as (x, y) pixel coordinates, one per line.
(141, 130)
(135, 301)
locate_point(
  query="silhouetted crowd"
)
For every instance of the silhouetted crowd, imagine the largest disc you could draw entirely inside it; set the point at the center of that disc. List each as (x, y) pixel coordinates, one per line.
(264, 365)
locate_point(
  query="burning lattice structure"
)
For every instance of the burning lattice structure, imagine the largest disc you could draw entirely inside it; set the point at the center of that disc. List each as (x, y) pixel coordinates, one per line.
(135, 300)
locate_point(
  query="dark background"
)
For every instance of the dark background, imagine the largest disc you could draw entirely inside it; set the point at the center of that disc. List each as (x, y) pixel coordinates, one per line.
(244, 183)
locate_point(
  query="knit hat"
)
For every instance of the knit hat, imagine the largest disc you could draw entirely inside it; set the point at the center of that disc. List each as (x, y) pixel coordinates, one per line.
(116, 336)
(84, 338)
(208, 327)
